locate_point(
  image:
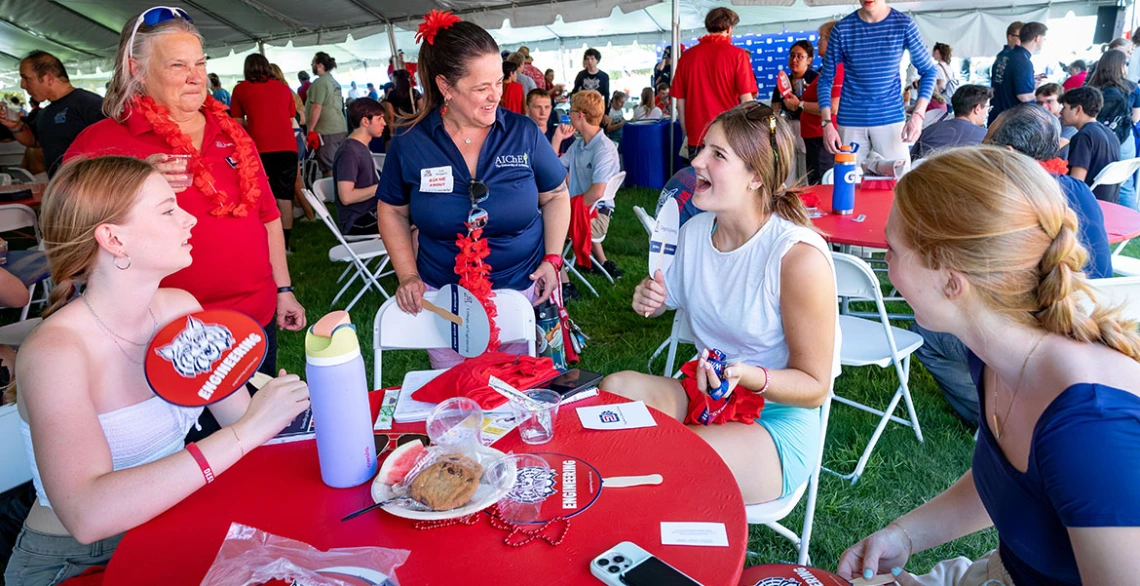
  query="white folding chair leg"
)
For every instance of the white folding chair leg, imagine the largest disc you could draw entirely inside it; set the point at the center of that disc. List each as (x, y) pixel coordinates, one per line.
(347, 284)
(368, 283)
(903, 392)
(601, 268)
(574, 271)
(31, 295)
(344, 274)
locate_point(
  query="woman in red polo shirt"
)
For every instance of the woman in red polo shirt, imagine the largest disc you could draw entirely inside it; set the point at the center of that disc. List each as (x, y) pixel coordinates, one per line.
(158, 103)
(265, 107)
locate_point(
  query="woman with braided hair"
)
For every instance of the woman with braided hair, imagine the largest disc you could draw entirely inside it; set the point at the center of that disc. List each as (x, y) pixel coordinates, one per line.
(1056, 470)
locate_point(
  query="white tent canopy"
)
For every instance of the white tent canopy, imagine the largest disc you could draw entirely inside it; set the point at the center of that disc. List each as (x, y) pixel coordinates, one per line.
(84, 33)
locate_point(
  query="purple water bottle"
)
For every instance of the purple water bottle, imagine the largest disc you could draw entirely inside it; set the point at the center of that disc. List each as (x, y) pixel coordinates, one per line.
(338, 392)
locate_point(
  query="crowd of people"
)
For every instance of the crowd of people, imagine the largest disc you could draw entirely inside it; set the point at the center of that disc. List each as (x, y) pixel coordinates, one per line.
(992, 240)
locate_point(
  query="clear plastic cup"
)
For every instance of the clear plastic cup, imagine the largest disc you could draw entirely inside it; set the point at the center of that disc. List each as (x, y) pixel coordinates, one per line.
(536, 426)
(175, 168)
(532, 482)
(457, 423)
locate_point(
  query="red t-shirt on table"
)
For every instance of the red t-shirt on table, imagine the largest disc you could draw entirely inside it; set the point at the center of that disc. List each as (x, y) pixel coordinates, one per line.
(810, 123)
(710, 78)
(513, 98)
(268, 108)
(231, 267)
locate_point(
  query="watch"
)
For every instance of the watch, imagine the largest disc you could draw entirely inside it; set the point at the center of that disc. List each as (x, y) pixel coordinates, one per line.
(823, 123)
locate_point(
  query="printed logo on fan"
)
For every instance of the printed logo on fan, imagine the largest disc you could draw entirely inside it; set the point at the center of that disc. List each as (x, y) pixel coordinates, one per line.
(197, 347)
(533, 484)
(502, 161)
(777, 581)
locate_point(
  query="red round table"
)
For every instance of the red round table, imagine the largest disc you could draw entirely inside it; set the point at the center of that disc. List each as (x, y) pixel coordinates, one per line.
(278, 489)
(1120, 222)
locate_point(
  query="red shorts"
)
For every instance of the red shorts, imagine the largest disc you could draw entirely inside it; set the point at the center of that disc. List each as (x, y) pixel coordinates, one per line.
(743, 405)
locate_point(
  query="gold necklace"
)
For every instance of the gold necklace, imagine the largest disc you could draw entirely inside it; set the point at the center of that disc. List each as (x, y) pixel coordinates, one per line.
(997, 424)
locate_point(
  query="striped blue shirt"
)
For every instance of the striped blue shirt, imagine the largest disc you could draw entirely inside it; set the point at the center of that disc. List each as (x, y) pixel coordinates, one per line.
(871, 54)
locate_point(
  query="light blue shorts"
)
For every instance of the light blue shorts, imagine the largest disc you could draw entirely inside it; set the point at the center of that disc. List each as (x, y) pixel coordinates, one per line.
(795, 431)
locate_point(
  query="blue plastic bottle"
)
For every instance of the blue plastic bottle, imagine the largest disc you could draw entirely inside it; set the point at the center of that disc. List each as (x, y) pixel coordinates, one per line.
(843, 180)
(338, 391)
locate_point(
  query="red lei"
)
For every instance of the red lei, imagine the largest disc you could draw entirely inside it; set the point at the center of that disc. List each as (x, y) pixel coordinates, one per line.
(1056, 166)
(246, 154)
(474, 276)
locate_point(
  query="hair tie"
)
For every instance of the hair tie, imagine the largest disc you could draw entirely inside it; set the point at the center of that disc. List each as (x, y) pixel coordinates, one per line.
(434, 21)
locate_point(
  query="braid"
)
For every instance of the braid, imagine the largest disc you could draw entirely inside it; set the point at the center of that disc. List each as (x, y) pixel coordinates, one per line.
(61, 295)
(1061, 311)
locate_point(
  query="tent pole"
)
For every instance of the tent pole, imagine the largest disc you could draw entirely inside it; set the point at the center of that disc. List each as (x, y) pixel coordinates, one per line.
(562, 62)
(675, 53)
(261, 47)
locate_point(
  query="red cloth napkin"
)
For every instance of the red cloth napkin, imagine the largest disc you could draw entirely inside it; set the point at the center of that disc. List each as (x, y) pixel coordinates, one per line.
(743, 405)
(810, 199)
(469, 378)
(580, 236)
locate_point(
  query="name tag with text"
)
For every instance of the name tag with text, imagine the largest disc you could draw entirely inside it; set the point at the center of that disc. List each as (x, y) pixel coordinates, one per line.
(436, 180)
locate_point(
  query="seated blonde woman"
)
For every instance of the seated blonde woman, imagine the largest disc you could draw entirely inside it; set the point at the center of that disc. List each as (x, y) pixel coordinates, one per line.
(106, 454)
(758, 283)
(984, 246)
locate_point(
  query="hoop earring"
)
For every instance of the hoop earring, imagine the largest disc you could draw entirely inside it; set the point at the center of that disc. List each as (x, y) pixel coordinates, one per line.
(116, 262)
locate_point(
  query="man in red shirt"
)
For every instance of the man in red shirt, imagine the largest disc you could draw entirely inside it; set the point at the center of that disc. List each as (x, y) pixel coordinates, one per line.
(712, 77)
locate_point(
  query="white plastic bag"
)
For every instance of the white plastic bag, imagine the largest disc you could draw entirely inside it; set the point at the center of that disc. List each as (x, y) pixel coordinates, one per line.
(250, 556)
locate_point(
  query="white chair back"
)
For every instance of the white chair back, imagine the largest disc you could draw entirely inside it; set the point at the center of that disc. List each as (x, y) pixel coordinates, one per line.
(5, 179)
(1116, 173)
(378, 161)
(16, 216)
(14, 469)
(646, 220)
(1119, 291)
(828, 177)
(325, 189)
(395, 330)
(612, 187)
(854, 278)
(322, 210)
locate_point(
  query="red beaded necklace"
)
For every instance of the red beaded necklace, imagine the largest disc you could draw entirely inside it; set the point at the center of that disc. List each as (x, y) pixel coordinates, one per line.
(496, 518)
(245, 153)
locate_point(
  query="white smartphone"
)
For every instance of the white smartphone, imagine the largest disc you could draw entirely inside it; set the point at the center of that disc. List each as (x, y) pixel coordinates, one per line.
(627, 564)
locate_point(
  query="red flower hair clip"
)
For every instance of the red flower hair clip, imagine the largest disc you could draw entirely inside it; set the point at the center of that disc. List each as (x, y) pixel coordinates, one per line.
(434, 21)
(1056, 166)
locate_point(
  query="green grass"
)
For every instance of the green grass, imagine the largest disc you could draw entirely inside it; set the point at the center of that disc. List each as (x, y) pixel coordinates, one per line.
(901, 474)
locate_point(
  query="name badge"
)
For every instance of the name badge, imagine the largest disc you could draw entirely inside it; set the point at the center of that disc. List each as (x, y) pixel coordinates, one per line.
(436, 180)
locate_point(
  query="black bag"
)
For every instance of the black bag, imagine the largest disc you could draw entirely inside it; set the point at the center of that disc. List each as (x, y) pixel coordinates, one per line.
(1117, 112)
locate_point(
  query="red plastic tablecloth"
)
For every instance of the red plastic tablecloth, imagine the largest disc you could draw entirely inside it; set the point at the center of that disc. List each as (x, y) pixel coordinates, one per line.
(1120, 222)
(278, 489)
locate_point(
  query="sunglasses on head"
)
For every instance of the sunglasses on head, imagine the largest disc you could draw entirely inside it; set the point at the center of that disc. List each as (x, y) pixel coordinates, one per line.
(153, 16)
(757, 112)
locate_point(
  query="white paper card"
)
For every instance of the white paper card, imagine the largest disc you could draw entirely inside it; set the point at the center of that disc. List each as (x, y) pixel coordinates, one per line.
(621, 416)
(701, 534)
(436, 180)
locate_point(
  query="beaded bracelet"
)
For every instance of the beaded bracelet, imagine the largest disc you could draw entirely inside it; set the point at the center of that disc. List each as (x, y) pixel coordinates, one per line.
(767, 381)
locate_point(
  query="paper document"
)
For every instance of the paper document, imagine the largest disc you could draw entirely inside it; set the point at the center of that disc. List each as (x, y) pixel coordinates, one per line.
(701, 534)
(620, 416)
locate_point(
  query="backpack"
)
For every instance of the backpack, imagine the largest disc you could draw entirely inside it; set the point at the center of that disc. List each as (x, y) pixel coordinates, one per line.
(1116, 113)
(952, 82)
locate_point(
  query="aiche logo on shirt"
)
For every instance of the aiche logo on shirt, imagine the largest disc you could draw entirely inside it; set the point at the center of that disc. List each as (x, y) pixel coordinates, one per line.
(502, 161)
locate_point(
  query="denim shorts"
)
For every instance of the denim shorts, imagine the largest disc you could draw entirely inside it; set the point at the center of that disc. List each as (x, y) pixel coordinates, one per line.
(796, 433)
(40, 559)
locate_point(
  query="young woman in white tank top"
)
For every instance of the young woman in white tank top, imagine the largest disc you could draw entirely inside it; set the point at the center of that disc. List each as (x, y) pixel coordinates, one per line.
(107, 455)
(757, 283)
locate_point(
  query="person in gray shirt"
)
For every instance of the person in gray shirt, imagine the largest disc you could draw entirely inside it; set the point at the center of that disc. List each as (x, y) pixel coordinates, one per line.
(971, 108)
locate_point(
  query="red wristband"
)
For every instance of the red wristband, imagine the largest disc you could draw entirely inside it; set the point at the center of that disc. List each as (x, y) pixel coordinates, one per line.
(555, 261)
(195, 451)
(767, 381)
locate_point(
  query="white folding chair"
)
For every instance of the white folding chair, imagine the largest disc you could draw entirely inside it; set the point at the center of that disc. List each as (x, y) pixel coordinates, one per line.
(17, 217)
(354, 253)
(680, 334)
(378, 161)
(1118, 291)
(393, 329)
(568, 255)
(14, 468)
(867, 342)
(310, 170)
(1116, 173)
(772, 512)
(647, 221)
(828, 177)
(325, 189)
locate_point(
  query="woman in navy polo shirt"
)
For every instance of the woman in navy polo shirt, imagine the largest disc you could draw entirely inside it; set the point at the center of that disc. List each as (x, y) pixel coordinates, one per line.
(460, 154)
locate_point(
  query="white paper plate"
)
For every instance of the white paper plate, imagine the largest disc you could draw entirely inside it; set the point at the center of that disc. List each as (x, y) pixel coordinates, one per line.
(485, 496)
